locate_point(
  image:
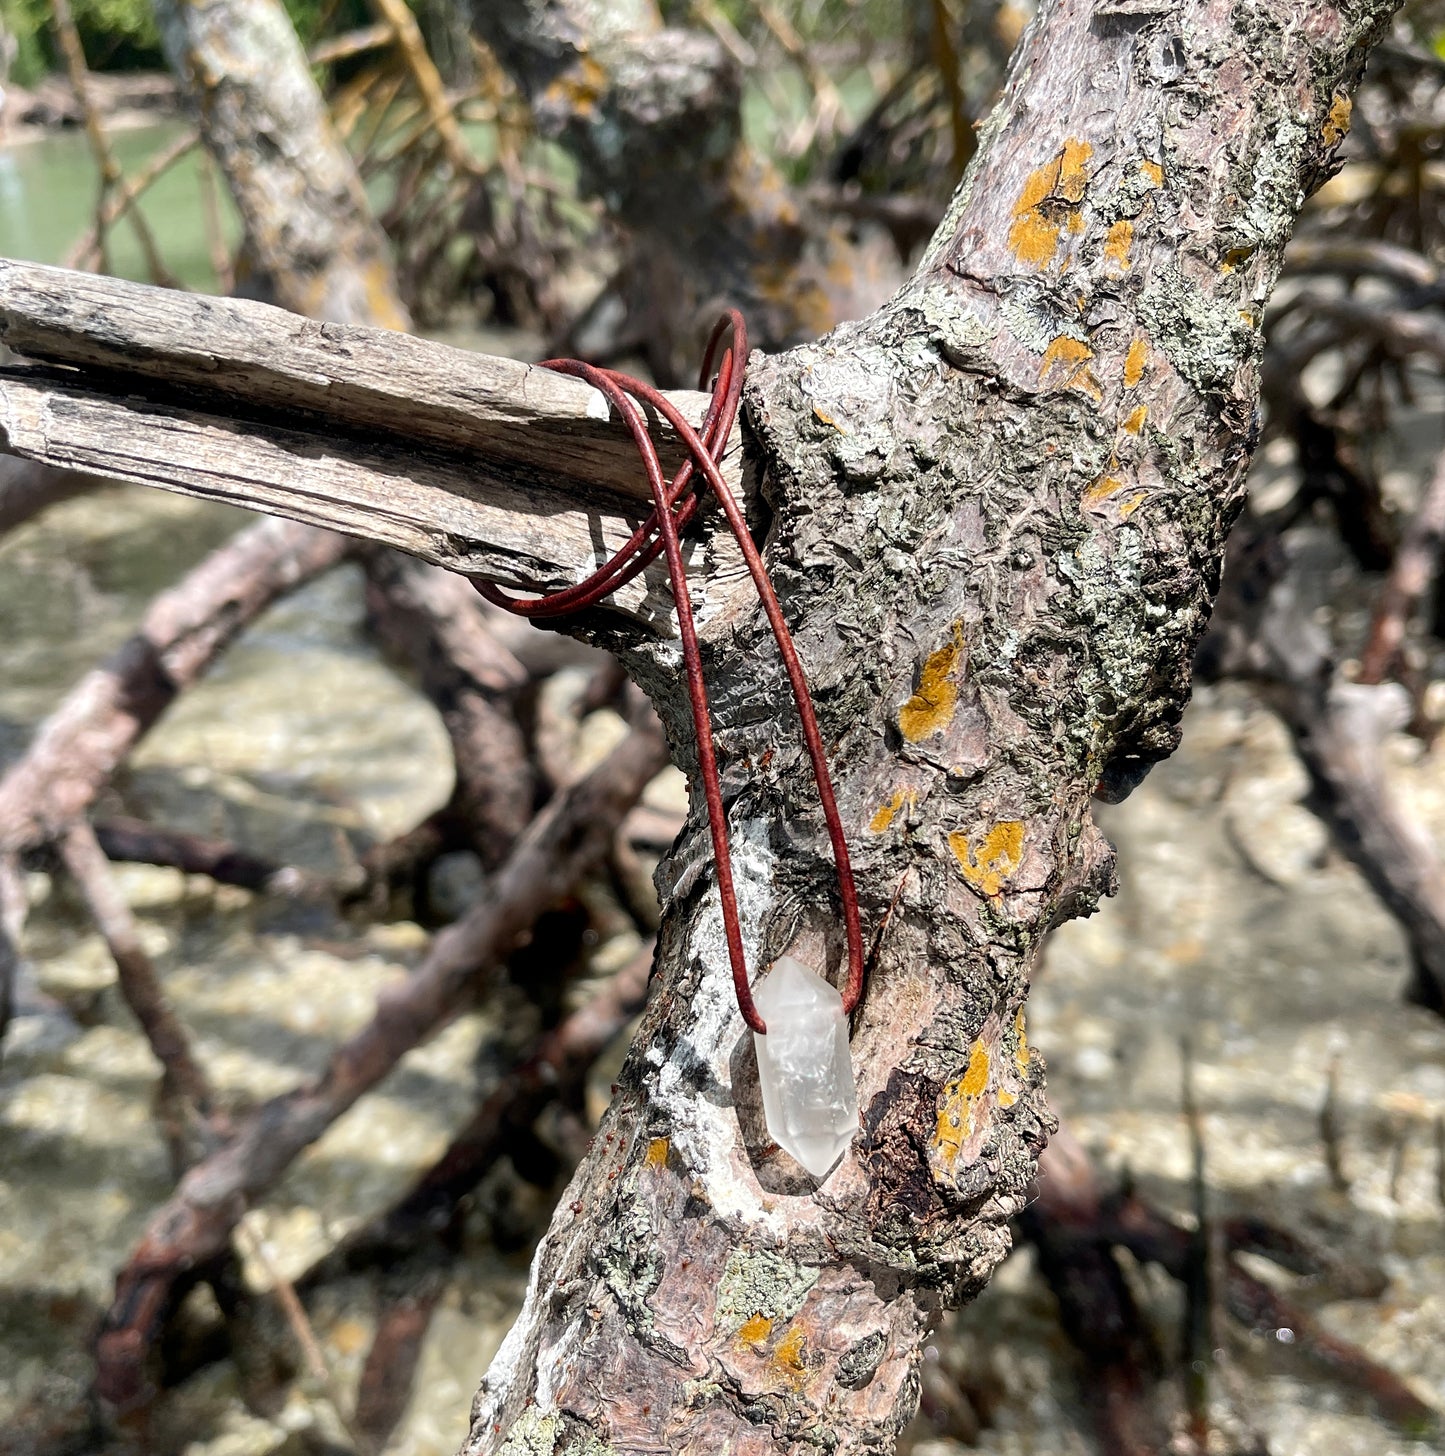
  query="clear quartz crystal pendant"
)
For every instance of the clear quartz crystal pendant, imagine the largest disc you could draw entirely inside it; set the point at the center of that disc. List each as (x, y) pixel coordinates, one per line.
(809, 1099)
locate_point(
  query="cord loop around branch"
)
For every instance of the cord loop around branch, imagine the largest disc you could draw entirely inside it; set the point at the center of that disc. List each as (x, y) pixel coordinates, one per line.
(675, 506)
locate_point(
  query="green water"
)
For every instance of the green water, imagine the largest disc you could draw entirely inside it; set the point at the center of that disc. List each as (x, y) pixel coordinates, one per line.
(48, 191)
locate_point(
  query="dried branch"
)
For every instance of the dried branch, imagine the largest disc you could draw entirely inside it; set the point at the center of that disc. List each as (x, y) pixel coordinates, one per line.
(561, 845)
(132, 841)
(421, 1227)
(139, 983)
(1340, 730)
(112, 178)
(1265, 630)
(440, 114)
(121, 200)
(555, 1071)
(1065, 1222)
(484, 465)
(433, 621)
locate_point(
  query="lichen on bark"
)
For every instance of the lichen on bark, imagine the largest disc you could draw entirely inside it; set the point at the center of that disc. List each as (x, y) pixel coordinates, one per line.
(995, 512)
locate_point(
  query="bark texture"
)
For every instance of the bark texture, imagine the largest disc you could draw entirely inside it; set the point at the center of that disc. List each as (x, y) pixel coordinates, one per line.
(310, 238)
(998, 511)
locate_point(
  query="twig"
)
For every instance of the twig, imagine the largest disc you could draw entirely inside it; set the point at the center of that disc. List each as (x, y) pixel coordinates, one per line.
(389, 1372)
(112, 178)
(1360, 257)
(185, 1101)
(407, 35)
(120, 199)
(221, 262)
(353, 43)
(556, 1070)
(133, 841)
(1339, 729)
(945, 59)
(1416, 561)
(433, 621)
(12, 923)
(562, 843)
(1065, 1222)
(1199, 1342)
(284, 1292)
(1330, 1129)
(1148, 1235)
(421, 1226)
(1440, 1160)
(75, 751)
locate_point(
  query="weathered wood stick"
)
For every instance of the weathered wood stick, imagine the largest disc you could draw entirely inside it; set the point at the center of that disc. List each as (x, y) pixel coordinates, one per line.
(485, 465)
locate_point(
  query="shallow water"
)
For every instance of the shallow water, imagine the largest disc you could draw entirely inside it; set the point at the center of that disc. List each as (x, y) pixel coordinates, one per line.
(47, 202)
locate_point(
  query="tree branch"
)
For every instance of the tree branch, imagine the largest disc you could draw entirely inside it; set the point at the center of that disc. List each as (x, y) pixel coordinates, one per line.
(999, 510)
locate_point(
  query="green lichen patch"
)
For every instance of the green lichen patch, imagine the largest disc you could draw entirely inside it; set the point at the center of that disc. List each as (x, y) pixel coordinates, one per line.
(756, 1282)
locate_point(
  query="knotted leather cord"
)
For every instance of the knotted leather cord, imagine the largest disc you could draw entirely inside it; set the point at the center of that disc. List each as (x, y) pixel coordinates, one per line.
(674, 507)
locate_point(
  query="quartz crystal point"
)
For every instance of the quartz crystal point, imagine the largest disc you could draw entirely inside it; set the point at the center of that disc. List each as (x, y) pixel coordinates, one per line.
(809, 1099)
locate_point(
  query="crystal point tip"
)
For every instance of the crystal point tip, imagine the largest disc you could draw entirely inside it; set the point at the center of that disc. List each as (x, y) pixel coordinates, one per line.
(810, 1102)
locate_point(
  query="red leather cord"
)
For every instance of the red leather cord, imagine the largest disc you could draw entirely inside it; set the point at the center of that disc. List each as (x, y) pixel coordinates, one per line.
(674, 507)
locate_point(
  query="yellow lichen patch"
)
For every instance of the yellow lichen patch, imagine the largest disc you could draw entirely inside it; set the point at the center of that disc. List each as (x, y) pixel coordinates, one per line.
(956, 1116)
(1134, 362)
(1337, 123)
(889, 811)
(991, 863)
(1021, 1042)
(1153, 171)
(1132, 504)
(1235, 256)
(828, 420)
(1118, 242)
(930, 709)
(657, 1151)
(1073, 170)
(1034, 235)
(1101, 490)
(788, 1357)
(1066, 361)
(1006, 1099)
(756, 1330)
(976, 1078)
(1134, 420)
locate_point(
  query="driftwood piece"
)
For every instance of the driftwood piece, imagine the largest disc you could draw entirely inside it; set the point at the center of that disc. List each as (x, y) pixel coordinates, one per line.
(485, 465)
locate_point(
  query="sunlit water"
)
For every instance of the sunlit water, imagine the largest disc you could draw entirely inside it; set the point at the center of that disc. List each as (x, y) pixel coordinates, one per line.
(48, 192)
